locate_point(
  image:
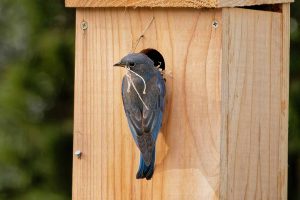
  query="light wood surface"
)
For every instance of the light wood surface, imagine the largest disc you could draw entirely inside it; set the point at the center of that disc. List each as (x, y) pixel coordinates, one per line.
(188, 148)
(224, 134)
(284, 92)
(169, 3)
(255, 100)
(238, 3)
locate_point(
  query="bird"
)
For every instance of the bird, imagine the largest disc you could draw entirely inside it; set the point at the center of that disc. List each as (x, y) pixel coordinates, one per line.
(143, 95)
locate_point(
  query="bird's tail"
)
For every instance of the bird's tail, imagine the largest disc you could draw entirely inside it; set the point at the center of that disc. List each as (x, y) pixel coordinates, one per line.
(144, 170)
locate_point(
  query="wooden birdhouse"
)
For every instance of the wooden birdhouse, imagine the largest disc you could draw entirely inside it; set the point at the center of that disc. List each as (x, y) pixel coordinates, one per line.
(225, 127)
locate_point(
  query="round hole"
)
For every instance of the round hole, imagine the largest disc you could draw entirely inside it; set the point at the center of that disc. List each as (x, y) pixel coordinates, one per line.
(155, 56)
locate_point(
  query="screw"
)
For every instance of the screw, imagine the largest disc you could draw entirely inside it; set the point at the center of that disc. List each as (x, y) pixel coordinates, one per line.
(78, 153)
(215, 24)
(84, 25)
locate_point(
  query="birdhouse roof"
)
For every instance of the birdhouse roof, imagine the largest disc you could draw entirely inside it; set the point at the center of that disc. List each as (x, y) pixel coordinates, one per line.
(170, 3)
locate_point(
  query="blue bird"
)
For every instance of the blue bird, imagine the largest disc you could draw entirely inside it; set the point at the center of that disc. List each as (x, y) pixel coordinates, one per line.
(143, 92)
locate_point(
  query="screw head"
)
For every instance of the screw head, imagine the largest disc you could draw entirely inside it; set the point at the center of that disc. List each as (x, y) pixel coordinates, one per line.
(215, 24)
(78, 153)
(84, 25)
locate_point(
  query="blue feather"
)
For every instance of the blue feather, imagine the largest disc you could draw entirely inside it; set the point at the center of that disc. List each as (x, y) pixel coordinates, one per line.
(144, 121)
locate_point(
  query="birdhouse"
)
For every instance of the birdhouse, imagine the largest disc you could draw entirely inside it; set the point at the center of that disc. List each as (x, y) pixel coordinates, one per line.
(225, 128)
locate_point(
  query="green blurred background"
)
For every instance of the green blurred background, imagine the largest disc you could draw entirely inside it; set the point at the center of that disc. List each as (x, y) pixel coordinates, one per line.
(36, 100)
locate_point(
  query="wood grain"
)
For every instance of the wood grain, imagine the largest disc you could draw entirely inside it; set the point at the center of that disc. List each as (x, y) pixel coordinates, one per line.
(141, 3)
(188, 148)
(169, 3)
(238, 3)
(255, 96)
(284, 99)
(224, 133)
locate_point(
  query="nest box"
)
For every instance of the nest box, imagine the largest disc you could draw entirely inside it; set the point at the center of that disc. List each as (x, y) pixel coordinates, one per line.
(225, 128)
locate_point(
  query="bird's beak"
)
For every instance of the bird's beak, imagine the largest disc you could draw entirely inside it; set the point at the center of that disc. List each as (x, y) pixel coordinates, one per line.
(119, 64)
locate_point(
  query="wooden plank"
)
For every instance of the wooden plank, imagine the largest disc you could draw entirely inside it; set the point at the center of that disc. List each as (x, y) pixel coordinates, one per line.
(170, 3)
(255, 84)
(142, 3)
(188, 148)
(225, 104)
(238, 3)
(284, 91)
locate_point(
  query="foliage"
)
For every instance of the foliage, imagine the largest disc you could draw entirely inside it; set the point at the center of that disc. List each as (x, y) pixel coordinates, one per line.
(294, 105)
(36, 92)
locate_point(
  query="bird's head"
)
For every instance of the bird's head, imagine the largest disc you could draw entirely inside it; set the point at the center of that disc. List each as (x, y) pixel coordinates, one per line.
(134, 59)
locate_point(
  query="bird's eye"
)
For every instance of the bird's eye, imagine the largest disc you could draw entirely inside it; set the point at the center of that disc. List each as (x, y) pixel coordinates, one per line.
(131, 64)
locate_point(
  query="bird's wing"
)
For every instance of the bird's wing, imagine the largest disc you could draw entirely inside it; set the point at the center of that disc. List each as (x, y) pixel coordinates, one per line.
(152, 118)
(145, 123)
(133, 111)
